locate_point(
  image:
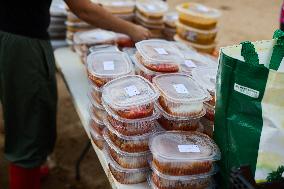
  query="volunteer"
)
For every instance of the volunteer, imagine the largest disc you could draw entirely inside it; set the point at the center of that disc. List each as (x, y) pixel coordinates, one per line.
(28, 91)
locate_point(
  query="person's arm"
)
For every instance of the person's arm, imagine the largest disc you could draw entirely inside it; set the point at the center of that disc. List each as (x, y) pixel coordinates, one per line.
(96, 15)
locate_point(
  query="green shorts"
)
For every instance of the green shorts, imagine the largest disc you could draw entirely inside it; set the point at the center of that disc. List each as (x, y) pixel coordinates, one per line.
(28, 95)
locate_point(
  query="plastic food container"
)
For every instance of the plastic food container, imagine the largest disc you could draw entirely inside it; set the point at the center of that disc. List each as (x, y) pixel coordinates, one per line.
(105, 47)
(152, 9)
(196, 35)
(97, 111)
(183, 153)
(130, 97)
(159, 55)
(170, 19)
(95, 93)
(208, 126)
(131, 144)
(162, 181)
(96, 137)
(196, 60)
(123, 40)
(126, 176)
(126, 159)
(177, 123)
(180, 95)
(132, 127)
(143, 71)
(119, 6)
(201, 48)
(103, 66)
(149, 24)
(210, 112)
(94, 37)
(149, 21)
(198, 16)
(206, 77)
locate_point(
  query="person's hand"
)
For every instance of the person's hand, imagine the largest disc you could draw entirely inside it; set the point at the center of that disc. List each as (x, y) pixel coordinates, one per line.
(139, 33)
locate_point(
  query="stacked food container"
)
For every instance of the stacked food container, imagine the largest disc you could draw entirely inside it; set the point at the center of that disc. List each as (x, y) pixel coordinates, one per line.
(74, 24)
(150, 14)
(57, 28)
(130, 121)
(156, 57)
(84, 40)
(181, 102)
(206, 77)
(122, 8)
(102, 67)
(170, 20)
(183, 160)
(197, 26)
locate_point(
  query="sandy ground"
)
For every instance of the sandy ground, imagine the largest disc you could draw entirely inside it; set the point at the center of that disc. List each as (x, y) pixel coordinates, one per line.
(241, 20)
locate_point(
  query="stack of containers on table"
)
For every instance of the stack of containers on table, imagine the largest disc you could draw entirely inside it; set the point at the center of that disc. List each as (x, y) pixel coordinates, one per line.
(121, 8)
(85, 39)
(130, 122)
(181, 102)
(156, 57)
(206, 77)
(57, 28)
(102, 67)
(183, 160)
(197, 26)
(170, 20)
(150, 14)
(74, 24)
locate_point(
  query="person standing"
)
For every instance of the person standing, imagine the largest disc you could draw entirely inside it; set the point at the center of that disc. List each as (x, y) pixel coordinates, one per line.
(28, 91)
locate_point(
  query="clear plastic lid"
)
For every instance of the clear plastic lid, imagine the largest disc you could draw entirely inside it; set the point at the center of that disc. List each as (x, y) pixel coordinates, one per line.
(129, 91)
(206, 77)
(118, 3)
(180, 146)
(95, 36)
(137, 137)
(170, 18)
(199, 10)
(156, 7)
(117, 150)
(213, 171)
(154, 116)
(180, 88)
(159, 51)
(110, 64)
(179, 118)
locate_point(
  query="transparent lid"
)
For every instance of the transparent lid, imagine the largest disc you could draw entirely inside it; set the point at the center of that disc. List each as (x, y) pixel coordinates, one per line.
(154, 116)
(152, 7)
(185, 50)
(171, 17)
(95, 36)
(197, 60)
(206, 77)
(186, 178)
(179, 118)
(180, 88)
(199, 10)
(159, 51)
(118, 3)
(129, 91)
(115, 165)
(184, 146)
(117, 150)
(109, 64)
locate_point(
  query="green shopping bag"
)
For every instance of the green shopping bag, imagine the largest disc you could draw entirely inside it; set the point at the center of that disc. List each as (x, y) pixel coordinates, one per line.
(249, 118)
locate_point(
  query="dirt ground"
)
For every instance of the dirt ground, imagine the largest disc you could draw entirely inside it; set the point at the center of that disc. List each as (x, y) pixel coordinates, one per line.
(241, 20)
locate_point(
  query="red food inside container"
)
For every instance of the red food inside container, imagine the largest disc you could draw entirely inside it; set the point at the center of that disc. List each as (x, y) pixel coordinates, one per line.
(181, 125)
(178, 169)
(137, 112)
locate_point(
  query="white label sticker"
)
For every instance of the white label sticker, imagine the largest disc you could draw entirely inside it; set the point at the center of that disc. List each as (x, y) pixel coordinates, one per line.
(189, 148)
(132, 90)
(161, 51)
(108, 65)
(246, 91)
(190, 64)
(180, 88)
